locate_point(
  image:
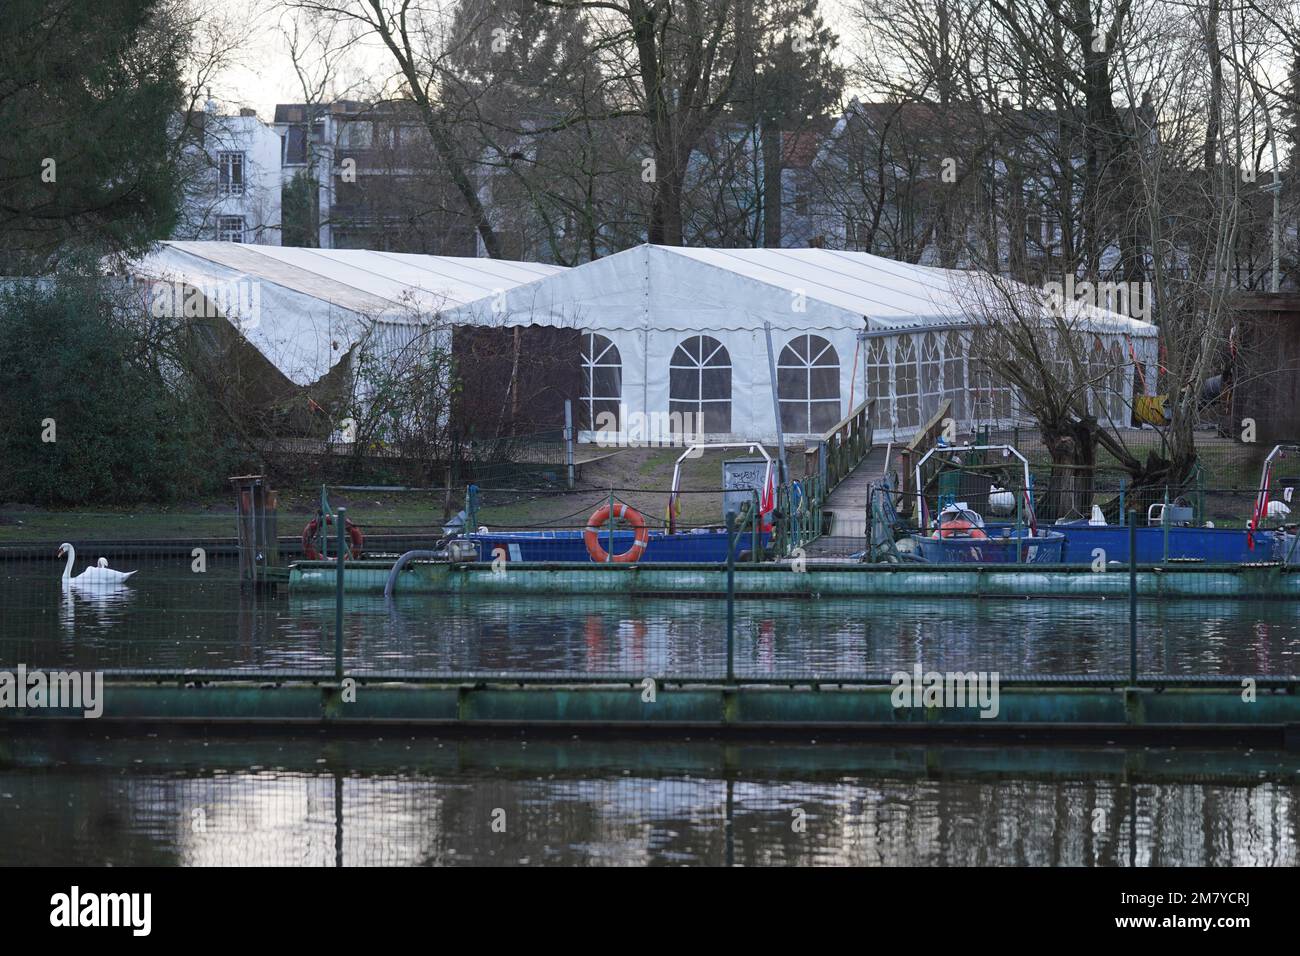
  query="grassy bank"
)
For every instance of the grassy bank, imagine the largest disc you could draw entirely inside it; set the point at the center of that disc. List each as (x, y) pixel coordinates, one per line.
(537, 505)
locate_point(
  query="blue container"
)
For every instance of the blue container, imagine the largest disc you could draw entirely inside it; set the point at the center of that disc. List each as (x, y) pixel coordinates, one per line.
(1001, 546)
(1212, 545)
(701, 545)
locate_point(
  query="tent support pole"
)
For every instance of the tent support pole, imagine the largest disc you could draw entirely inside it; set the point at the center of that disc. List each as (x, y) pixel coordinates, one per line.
(776, 406)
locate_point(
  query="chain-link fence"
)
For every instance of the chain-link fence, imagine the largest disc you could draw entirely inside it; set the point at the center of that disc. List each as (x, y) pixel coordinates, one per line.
(185, 611)
(403, 802)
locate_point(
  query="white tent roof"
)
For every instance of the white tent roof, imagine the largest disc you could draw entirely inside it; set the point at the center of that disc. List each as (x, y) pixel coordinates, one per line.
(675, 288)
(304, 308)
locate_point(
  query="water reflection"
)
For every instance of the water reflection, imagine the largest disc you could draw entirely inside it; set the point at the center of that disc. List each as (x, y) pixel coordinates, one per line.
(422, 801)
(171, 618)
(94, 608)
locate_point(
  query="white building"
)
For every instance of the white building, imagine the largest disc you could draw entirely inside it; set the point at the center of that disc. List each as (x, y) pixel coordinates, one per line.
(308, 134)
(235, 194)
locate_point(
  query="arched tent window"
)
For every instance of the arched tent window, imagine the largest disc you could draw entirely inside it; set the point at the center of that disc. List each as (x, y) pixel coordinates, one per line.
(907, 396)
(808, 385)
(1119, 397)
(878, 384)
(931, 375)
(991, 396)
(699, 385)
(954, 373)
(602, 381)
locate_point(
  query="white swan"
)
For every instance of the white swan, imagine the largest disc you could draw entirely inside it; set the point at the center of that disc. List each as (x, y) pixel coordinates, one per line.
(101, 575)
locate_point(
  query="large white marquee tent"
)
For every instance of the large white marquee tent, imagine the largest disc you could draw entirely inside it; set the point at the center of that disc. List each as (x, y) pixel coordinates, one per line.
(305, 309)
(682, 330)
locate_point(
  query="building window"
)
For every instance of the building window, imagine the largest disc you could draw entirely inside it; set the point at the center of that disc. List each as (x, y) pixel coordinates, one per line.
(355, 134)
(230, 228)
(808, 385)
(231, 174)
(699, 385)
(294, 146)
(602, 381)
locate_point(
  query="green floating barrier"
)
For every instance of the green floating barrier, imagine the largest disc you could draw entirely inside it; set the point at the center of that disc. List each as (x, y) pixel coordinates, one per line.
(1174, 581)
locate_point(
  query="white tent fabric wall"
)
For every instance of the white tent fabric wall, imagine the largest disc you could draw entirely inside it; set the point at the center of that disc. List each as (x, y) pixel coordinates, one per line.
(665, 325)
(937, 365)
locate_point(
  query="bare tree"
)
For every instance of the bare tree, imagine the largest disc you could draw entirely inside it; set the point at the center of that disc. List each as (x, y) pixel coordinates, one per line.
(414, 34)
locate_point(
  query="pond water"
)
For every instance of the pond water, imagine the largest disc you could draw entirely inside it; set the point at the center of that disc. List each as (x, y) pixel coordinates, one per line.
(418, 801)
(421, 800)
(171, 618)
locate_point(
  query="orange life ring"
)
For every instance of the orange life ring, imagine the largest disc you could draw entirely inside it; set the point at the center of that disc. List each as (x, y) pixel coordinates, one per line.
(959, 527)
(591, 537)
(355, 538)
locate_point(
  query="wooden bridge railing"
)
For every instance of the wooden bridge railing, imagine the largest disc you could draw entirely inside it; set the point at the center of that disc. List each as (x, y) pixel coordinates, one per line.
(834, 455)
(828, 460)
(915, 450)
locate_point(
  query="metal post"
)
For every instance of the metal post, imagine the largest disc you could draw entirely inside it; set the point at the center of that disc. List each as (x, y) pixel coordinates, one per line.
(757, 547)
(1132, 599)
(338, 596)
(1019, 518)
(784, 475)
(1164, 525)
(609, 552)
(568, 440)
(324, 531)
(731, 596)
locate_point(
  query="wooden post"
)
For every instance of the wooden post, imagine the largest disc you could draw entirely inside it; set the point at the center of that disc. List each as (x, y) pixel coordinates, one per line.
(256, 528)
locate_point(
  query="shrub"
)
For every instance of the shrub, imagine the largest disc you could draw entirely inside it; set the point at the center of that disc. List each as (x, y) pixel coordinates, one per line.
(82, 356)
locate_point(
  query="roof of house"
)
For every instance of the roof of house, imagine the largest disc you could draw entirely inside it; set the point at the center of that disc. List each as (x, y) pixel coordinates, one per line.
(799, 148)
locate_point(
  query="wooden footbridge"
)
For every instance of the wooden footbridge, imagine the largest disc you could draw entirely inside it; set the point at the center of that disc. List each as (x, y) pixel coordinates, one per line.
(848, 462)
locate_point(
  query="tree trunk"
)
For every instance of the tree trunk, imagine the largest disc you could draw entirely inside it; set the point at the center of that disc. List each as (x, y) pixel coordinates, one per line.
(1074, 458)
(666, 205)
(770, 133)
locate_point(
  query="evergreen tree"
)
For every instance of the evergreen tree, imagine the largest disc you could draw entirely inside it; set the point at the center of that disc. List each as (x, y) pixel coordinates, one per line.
(90, 91)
